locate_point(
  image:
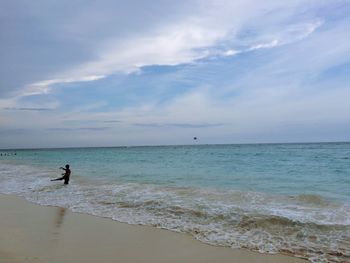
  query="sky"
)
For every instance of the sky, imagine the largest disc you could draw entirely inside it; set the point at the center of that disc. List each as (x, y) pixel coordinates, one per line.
(118, 73)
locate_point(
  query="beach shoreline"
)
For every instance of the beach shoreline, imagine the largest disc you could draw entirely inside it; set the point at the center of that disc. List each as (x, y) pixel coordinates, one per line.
(35, 233)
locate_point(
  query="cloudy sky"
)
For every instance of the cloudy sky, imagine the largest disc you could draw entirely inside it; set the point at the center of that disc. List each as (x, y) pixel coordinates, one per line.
(109, 73)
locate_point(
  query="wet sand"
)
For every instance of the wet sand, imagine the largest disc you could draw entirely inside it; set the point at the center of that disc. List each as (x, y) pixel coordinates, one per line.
(33, 233)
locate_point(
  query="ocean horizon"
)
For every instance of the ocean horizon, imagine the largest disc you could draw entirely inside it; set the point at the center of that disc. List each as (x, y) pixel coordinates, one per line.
(291, 198)
(165, 145)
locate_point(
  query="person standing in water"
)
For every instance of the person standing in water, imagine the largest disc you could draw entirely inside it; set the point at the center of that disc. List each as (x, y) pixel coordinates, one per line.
(65, 176)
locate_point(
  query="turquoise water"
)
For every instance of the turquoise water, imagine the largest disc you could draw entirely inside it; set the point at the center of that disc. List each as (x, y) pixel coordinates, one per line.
(290, 198)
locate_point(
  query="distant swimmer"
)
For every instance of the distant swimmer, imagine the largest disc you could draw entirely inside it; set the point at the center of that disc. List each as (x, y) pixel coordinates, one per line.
(65, 176)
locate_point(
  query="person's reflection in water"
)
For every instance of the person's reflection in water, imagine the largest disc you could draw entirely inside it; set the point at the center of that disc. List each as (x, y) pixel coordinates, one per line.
(61, 211)
(60, 216)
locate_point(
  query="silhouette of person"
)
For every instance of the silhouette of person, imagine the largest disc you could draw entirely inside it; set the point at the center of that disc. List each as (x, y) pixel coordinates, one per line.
(65, 176)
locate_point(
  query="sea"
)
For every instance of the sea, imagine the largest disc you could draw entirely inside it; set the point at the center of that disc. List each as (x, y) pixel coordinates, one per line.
(271, 198)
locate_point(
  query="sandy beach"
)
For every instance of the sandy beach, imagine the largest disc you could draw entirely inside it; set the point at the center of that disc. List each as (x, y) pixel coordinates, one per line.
(33, 233)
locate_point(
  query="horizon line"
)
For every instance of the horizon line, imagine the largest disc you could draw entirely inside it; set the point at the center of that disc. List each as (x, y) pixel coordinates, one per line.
(168, 145)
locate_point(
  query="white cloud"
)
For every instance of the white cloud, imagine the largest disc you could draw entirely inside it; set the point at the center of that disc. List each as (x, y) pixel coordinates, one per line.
(44, 87)
(185, 40)
(177, 44)
(273, 43)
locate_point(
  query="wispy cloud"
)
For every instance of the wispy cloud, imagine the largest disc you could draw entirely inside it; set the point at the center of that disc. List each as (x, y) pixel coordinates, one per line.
(90, 121)
(15, 131)
(44, 87)
(290, 34)
(211, 31)
(179, 125)
(110, 121)
(179, 44)
(80, 129)
(28, 109)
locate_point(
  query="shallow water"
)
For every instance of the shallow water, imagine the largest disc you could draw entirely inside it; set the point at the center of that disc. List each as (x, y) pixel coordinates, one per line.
(290, 198)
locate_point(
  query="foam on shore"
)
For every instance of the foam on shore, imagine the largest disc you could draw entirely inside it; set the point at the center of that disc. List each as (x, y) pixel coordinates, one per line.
(32, 233)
